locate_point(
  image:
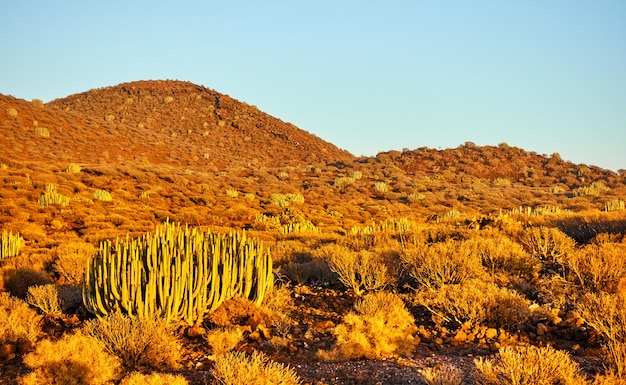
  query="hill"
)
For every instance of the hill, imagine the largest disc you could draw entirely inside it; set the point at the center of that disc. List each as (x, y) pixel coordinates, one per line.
(159, 122)
(486, 246)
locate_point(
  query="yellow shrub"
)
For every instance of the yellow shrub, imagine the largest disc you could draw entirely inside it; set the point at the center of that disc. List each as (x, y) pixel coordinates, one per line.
(442, 375)
(499, 253)
(477, 302)
(136, 378)
(528, 365)
(72, 260)
(597, 267)
(546, 243)
(137, 342)
(223, 340)
(236, 368)
(442, 263)
(358, 271)
(17, 320)
(44, 298)
(381, 326)
(74, 359)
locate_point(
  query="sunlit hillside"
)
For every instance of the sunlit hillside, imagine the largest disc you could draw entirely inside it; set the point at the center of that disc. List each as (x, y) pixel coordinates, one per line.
(404, 267)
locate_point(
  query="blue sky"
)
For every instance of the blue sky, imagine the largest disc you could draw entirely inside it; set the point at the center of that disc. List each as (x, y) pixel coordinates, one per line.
(368, 76)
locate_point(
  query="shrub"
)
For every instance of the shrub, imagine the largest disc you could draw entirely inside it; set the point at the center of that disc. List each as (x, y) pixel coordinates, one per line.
(501, 254)
(44, 298)
(528, 365)
(442, 375)
(102, 195)
(73, 359)
(358, 271)
(223, 340)
(476, 302)
(17, 321)
(343, 182)
(606, 314)
(232, 193)
(42, 132)
(594, 189)
(443, 263)
(72, 259)
(380, 326)
(381, 187)
(546, 243)
(138, 342)
(236, 368)
(597, 267)
(136, 378)
(12, 112)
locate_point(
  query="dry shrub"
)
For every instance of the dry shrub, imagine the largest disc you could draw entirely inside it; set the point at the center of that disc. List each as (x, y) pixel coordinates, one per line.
(238, 311)
(136, 378)
(546, 243)
(305, 272)
(17, 320)
(72, 260)
(477, 302)
(236, 368)
(44, 298)
(442, 375)
(145, 342)
(360, 271)
(380, 327)
(500, 254)
(223, 340)
(444, 263)
(606, 314)
(528, 365)
(597, 267)
(74, 359)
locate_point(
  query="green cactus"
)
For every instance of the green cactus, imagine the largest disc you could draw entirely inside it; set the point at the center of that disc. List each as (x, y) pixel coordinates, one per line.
(10, 244)
(178, 273)
(51, 196)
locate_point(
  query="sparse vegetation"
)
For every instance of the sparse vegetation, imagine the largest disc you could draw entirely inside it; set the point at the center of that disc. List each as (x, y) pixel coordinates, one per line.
(453, 251)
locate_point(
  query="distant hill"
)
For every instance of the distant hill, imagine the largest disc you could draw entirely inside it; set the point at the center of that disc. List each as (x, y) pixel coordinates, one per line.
(157, 122)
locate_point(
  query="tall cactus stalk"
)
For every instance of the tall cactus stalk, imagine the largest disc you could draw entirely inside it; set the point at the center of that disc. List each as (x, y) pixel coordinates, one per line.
(10, 244)
(177, 273)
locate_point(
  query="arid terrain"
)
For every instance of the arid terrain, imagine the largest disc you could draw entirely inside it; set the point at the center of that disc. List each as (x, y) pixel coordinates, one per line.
(486, 248)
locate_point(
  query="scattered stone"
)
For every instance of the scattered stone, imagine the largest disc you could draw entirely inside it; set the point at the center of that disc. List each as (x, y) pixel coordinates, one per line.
(6, 350)
(491, 333)
(196, 331)
(323, 325)
(542, 329)
(460, 336)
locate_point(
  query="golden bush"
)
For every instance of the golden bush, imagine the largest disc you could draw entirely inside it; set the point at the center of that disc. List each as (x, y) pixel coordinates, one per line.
(73, 359)
(223, 340)
(443, 263)
(606, 314)
(528, 365)
(138, 342)
(136, 378)
(546, 243)
(237, 368)
(44, 298)
(71, 261)
(360, 271)
(380, 326)
(597, 267)
(499, 253)
(442, 375)
(476, 302)
(17, 320)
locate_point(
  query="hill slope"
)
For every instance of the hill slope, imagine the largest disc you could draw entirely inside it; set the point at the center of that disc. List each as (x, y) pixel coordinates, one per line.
(159, 122)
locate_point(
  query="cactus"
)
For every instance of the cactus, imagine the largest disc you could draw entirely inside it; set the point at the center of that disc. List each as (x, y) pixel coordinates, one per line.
(177, 273)
(51, 196)
(10, 244)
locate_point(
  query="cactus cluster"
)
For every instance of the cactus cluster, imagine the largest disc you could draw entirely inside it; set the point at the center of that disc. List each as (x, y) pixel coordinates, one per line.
(51, 196)
(10, 244)
(179, 273)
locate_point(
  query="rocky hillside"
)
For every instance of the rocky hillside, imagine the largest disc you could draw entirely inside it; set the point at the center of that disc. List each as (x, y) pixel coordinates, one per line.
(156, 122)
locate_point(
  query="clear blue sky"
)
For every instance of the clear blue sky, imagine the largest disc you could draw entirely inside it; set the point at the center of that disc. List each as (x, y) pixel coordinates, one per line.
(368, 76)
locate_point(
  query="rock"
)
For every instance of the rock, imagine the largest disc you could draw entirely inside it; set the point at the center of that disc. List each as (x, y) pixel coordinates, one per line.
(460, 336)
(491, 333)
(323, 325)
(255, 336)
(24, 346)
(265, 332)
(6, 350)
(542, 329)
(196, 331)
